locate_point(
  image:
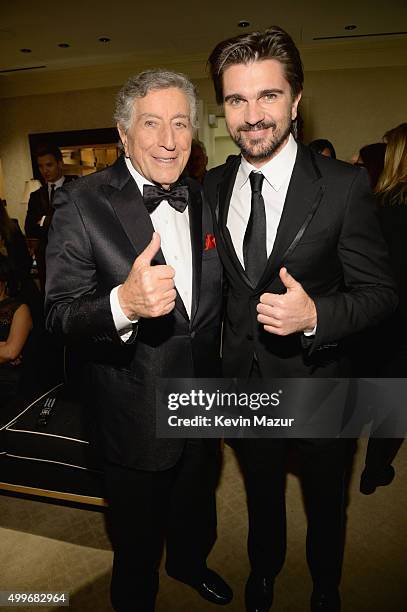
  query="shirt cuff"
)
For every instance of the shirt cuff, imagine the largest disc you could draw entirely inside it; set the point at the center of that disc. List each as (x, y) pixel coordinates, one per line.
(311, 333)
(42, 221)
(123, 324)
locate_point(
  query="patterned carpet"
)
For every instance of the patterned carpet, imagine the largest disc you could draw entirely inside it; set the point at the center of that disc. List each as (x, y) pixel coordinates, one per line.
(46, 547)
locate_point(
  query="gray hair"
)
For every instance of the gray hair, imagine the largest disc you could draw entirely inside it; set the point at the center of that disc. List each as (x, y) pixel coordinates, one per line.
(141, 84)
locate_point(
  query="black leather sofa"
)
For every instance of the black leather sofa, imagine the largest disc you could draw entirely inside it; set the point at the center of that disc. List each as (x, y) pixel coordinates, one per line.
(46, 448)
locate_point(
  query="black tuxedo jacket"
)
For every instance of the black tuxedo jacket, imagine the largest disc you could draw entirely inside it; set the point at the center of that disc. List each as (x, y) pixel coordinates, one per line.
(329, 240)
(100, 226)
(38, 207)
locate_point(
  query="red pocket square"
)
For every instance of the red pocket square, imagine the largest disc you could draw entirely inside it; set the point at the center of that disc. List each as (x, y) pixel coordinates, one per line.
(210, 242)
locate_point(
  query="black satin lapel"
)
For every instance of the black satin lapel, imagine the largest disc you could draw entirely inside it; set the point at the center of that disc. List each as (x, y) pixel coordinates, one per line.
(303, 198)
(225, 190)
(128, 205)
(195, 227)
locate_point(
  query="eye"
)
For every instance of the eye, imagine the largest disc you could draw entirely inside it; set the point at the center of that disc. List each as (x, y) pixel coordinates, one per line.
(269, 97)
(150, 123)
(235, 101)
(181, 124)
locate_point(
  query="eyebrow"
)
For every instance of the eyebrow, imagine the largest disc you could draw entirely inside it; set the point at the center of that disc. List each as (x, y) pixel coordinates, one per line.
(264, 92)
(234, 95)
(260, 94)
(177, 116)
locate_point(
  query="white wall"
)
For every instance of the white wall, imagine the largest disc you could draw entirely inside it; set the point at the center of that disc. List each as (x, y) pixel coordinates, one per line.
(354, 107)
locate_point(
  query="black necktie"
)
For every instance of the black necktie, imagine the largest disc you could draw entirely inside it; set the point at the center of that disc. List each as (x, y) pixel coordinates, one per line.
(177, 197)
(254, 243)
(52, 192)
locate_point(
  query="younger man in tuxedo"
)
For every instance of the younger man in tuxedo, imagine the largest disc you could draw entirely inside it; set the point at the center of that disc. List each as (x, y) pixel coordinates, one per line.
(130, 281)
(306, 267)
(40, 205)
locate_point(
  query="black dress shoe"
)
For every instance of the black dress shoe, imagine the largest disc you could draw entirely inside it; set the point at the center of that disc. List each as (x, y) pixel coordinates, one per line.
(370, 481)
(209, 585)
(325, 600)
(259, 593)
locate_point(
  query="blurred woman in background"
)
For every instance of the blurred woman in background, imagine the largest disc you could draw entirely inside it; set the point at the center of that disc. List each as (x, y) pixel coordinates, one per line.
(391, 193)
(13, 245)
(372, 158)
(390, 338)
(15, 326)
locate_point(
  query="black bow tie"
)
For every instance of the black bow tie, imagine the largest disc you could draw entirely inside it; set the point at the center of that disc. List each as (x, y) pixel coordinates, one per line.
(177, 197)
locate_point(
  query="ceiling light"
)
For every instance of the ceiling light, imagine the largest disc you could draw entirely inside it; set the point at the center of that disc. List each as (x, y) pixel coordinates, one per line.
(351, 27)
(243, 23)
(25, 50)
(63, 45)
(104, 39)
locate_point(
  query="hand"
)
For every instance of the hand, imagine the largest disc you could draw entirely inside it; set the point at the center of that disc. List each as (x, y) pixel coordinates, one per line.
(148, 291)
(293, 311)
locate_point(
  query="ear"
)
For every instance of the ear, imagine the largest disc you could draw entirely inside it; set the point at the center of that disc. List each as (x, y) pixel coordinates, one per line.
(123, 138)
(294, 107)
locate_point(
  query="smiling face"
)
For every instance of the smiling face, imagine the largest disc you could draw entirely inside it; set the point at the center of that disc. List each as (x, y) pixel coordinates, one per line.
(259, 108)
(158, 141)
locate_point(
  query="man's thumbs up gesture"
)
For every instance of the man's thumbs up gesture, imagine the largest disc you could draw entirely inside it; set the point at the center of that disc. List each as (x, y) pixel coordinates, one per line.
(148, 291)
(287, 313)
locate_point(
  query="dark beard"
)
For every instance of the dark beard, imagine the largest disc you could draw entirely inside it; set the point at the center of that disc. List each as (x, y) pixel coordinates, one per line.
(270, 148)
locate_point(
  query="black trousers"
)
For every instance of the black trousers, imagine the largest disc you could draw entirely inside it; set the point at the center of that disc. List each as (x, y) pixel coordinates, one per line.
(322, 464)
(145, 508)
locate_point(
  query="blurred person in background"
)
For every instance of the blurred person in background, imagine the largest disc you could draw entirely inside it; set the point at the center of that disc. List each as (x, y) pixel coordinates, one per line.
(197, 162)
(371, 157)
(40, 205)
(323, 147)
(15, 327)
(13, 245)
(391, 336)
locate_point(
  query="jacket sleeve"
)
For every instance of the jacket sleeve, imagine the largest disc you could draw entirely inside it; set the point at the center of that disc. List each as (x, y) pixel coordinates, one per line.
(77, 305)
(369, 292)
(34, 214)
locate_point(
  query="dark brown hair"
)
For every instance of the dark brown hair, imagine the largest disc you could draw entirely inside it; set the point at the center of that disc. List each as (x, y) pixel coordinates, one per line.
(48, 148)
(273, 43)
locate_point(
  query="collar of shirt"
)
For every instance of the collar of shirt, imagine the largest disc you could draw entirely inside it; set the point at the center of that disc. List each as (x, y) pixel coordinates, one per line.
(139, 178)
(57, 183)
(275, 171)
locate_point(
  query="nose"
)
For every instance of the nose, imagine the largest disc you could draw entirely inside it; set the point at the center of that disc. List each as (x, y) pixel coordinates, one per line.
(167, 139)
(253, 112)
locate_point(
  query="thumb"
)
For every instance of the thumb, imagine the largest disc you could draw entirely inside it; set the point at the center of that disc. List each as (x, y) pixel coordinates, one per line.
(150, 251)
(288, 281)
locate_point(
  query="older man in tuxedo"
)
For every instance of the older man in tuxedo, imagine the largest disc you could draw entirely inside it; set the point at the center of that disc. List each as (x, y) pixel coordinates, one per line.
(306, 267)
(130, 281)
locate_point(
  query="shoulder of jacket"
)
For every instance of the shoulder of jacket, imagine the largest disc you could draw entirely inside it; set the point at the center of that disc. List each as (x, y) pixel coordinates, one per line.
(217, 172)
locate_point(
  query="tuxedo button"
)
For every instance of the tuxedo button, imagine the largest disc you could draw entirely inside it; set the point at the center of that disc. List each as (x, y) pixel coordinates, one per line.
(193, 334)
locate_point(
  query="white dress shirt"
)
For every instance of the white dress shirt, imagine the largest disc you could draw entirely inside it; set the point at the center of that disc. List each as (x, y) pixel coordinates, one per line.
(173, 228)
(57, 184)
(277, 175)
